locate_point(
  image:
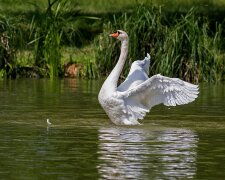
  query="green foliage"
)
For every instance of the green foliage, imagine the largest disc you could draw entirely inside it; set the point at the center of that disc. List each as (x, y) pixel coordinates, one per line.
(8, 40)
(185, 48)
(48, 33)
(90, 70)
(43, 30)
(60, 25)
(186, 45)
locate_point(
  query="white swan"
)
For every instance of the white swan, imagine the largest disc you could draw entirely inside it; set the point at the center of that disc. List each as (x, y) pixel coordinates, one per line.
(133, 98)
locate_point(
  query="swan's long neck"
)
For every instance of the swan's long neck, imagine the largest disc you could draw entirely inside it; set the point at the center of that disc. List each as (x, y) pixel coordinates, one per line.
(112, 80)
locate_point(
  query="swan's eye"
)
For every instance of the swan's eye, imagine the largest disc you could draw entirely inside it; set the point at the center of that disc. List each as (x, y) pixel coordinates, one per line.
(117, 32)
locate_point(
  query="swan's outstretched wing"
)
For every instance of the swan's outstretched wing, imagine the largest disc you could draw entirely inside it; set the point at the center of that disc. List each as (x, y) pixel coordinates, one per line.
(156, 90)
(138, 74)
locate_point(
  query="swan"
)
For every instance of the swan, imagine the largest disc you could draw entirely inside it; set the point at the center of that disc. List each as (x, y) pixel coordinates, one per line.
(131, 100)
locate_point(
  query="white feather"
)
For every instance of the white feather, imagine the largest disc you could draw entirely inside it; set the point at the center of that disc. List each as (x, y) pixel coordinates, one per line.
(133, 98)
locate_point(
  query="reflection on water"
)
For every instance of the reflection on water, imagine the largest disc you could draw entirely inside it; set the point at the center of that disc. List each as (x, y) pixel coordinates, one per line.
(177, 143)
(134, 153)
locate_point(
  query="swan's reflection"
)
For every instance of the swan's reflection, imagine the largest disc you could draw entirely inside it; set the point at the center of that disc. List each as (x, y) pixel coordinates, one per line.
(134, 153)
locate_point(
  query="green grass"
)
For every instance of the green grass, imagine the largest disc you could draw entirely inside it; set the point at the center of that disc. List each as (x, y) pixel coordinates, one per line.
(183, 42)
(99, 7)
(102, 6)
(186, 48)
(41, 31)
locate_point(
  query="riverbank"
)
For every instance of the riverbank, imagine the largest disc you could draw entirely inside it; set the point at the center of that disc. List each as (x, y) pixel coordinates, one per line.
(185, 39)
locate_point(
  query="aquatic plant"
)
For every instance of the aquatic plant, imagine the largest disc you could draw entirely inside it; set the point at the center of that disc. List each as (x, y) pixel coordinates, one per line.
(59, 26)
(47, 32)
(186, 47)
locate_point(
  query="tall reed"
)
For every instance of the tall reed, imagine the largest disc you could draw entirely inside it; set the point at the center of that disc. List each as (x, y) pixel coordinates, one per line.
(61, 25)
(182, 46)
(48, 28)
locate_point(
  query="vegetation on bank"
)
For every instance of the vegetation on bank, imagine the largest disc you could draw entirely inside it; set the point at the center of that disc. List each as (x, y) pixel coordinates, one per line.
(183, 42)
(187, 48)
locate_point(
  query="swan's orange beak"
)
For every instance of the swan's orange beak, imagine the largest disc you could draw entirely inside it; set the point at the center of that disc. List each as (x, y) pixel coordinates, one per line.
(115, 35)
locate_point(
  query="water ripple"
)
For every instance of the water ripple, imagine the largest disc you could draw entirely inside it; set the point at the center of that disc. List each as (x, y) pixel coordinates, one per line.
(139, 153)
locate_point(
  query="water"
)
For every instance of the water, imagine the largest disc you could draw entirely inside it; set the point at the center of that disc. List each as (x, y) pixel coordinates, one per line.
(185, 142)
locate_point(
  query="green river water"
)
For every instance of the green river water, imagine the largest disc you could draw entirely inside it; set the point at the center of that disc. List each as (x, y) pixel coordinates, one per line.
(183, 142)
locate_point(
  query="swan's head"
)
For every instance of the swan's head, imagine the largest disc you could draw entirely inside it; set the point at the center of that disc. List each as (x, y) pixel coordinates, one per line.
(119, 34)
